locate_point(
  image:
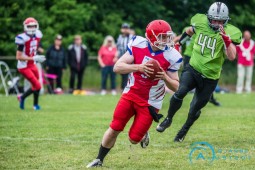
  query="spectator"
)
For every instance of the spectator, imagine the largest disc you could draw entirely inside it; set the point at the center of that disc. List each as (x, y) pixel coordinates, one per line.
(122, 42)
(77, 60)
(56, 62)
(245, 52)
(107, 56)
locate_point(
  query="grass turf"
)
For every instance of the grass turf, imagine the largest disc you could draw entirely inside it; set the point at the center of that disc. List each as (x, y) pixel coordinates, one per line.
(66, 134)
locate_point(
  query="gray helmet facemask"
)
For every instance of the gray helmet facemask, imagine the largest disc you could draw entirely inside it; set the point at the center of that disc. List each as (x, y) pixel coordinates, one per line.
(217, 11)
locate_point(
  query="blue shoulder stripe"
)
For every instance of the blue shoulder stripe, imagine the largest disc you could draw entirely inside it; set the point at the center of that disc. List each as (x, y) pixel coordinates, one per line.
(134, 37)
(19, 37)
(171, 70)
(129, 50)
(179, 61)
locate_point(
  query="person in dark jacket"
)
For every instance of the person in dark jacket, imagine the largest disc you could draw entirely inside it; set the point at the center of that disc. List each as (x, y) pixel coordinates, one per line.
(77, 60)
(56, 62)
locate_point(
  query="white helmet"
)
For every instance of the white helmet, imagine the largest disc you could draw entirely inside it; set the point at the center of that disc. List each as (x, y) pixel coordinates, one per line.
(30, 26)
(218, 11)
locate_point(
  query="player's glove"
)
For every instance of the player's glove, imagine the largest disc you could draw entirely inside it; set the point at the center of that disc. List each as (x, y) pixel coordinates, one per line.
(39, 58)
(226, 39)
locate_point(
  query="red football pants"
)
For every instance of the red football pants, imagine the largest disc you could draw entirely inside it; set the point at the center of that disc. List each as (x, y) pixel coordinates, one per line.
(126, 109)
(32, 75)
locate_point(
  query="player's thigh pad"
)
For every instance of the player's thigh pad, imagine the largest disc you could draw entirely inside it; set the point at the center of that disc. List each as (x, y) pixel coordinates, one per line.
(123, 112)
(141, 124)
(31, 76)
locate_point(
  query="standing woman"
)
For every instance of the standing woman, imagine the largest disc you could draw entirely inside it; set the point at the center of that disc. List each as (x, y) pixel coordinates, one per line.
(107, 56)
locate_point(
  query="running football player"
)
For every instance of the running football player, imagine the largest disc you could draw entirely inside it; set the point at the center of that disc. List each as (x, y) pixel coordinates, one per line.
(142, 97)
(214, 39)
(27, 45)
(187, 54)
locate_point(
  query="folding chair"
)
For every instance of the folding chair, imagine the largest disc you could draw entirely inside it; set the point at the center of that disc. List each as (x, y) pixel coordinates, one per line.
(7, 79)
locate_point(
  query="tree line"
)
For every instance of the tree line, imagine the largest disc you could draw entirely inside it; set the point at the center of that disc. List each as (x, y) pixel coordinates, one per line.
(94, 19)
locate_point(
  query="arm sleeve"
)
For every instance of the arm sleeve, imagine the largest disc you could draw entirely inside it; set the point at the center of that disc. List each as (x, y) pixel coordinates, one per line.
(20, 47)
(100, 51)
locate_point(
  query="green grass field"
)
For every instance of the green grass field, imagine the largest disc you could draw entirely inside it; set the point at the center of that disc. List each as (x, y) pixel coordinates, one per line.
(66, 134)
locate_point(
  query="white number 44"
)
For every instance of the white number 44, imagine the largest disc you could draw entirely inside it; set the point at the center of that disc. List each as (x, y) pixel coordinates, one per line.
(206, 43)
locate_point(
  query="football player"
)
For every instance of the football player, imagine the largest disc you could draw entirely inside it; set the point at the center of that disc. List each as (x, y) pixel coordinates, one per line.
(214, 39)
(187, 54)
(142, 97)
(27, 46)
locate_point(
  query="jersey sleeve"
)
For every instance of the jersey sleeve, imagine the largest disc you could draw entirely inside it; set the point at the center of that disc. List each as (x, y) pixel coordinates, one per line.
(19, 40)
(176, 62)
(199, 21)
(130, 44)
(100, 52)
(234, 33)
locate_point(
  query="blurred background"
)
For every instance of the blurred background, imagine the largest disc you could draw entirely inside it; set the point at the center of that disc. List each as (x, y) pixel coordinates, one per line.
(94, 19)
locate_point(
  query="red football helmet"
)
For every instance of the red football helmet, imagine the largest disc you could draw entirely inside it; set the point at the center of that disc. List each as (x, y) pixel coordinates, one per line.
(159, 33)
(30, 26)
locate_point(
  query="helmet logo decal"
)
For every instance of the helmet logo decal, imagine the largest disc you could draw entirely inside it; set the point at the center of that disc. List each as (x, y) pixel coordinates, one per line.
(218, 7)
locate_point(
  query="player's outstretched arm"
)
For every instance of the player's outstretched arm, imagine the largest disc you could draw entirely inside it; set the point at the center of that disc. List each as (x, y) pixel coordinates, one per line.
(125, 65)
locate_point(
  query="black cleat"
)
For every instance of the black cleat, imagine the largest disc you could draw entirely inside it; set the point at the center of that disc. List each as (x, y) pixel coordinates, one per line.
(214, 102)
(146, 140)
(181, 135)
(163, 125)
(95, 163)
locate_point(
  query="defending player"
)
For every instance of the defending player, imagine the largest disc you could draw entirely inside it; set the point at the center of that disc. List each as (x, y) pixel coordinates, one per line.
(27, 45)
(187, 54)
(214, 39)
(142, 98)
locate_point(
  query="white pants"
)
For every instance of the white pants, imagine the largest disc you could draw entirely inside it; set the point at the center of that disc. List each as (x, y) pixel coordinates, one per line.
(244, 72)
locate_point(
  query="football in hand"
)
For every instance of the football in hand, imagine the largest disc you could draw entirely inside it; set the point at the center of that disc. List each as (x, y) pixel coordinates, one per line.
(156, 67)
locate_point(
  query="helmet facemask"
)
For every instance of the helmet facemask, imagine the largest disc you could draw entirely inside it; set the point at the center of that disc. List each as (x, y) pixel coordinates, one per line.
(164, 40)
(217, 18)
(31, 28)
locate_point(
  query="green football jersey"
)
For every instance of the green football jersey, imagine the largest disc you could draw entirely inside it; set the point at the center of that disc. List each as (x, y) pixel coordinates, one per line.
(208, 52)
(188, 45)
